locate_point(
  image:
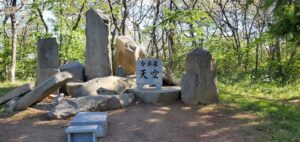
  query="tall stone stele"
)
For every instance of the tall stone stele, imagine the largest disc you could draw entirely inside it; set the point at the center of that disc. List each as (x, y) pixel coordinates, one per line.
(98, 60)
(47, 59)
(198, 85)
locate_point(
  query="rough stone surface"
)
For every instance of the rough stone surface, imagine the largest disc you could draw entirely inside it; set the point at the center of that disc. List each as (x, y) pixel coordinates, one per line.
(72, 87)
(92, 118)
(71, 106)
(47, 59)
(43, 90)
(126, 53)
(9, 106)
(199, 85)
(75, 68)
(98, 60)
(165, 95)
(47, 53)
(17, 92)
(108, 84)
(44, 73)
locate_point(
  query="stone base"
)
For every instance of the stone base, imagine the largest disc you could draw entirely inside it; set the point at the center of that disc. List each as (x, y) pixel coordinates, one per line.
(82, 133)
(92, 118)
(162, 96)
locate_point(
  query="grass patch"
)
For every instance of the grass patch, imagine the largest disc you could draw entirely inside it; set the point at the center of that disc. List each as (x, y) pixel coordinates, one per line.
(5, 87)
(280, 117)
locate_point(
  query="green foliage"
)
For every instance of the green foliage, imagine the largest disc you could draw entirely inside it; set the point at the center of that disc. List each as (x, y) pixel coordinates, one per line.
(224, 56)
(5, 87)
(193, 21)
(277, 106)
(74, 47)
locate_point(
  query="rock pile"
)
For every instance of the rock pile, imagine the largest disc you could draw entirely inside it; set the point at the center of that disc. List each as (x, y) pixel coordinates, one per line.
(93, 88)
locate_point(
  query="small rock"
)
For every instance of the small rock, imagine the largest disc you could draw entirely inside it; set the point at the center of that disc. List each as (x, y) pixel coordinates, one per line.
(121, 72)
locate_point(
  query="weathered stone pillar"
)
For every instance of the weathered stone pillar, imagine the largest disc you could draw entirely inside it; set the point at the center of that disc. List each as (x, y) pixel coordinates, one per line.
(47, 59)
(98, 60)
(199, 85)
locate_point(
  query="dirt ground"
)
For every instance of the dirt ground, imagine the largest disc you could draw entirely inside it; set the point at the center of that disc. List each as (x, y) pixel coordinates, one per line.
(142, 123)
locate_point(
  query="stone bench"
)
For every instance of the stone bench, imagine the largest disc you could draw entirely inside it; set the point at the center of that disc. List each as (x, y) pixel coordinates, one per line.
(85, 133)
(92, 118)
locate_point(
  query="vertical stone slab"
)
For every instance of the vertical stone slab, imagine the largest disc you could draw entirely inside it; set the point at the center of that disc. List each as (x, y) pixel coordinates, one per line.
(199, 85)
(47, 53)
(149, 71)
(47, 59)
(98, 60)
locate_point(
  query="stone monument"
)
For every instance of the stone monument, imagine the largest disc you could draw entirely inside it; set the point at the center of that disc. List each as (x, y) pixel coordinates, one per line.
(47, 59)
(98, 60)
(149, 71)
(199, 85)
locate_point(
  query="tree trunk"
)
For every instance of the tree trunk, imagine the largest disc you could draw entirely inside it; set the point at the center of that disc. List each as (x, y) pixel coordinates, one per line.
(279, 72)
(14, 45)
(256, 58)
(125, 15)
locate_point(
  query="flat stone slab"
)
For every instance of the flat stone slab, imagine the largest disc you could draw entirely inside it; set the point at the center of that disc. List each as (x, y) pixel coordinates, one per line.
(19, 91)
(92, 118)
(82, 129)
(89, 118)
(162, 96)
(82, 133)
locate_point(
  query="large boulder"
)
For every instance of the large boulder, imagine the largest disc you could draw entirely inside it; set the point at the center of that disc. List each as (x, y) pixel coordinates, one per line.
(98, 60)
(43, 90)
(17, 92)
(99, 86)
(71, 106)
(126, 54)
(75, 68)
(199, 84)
